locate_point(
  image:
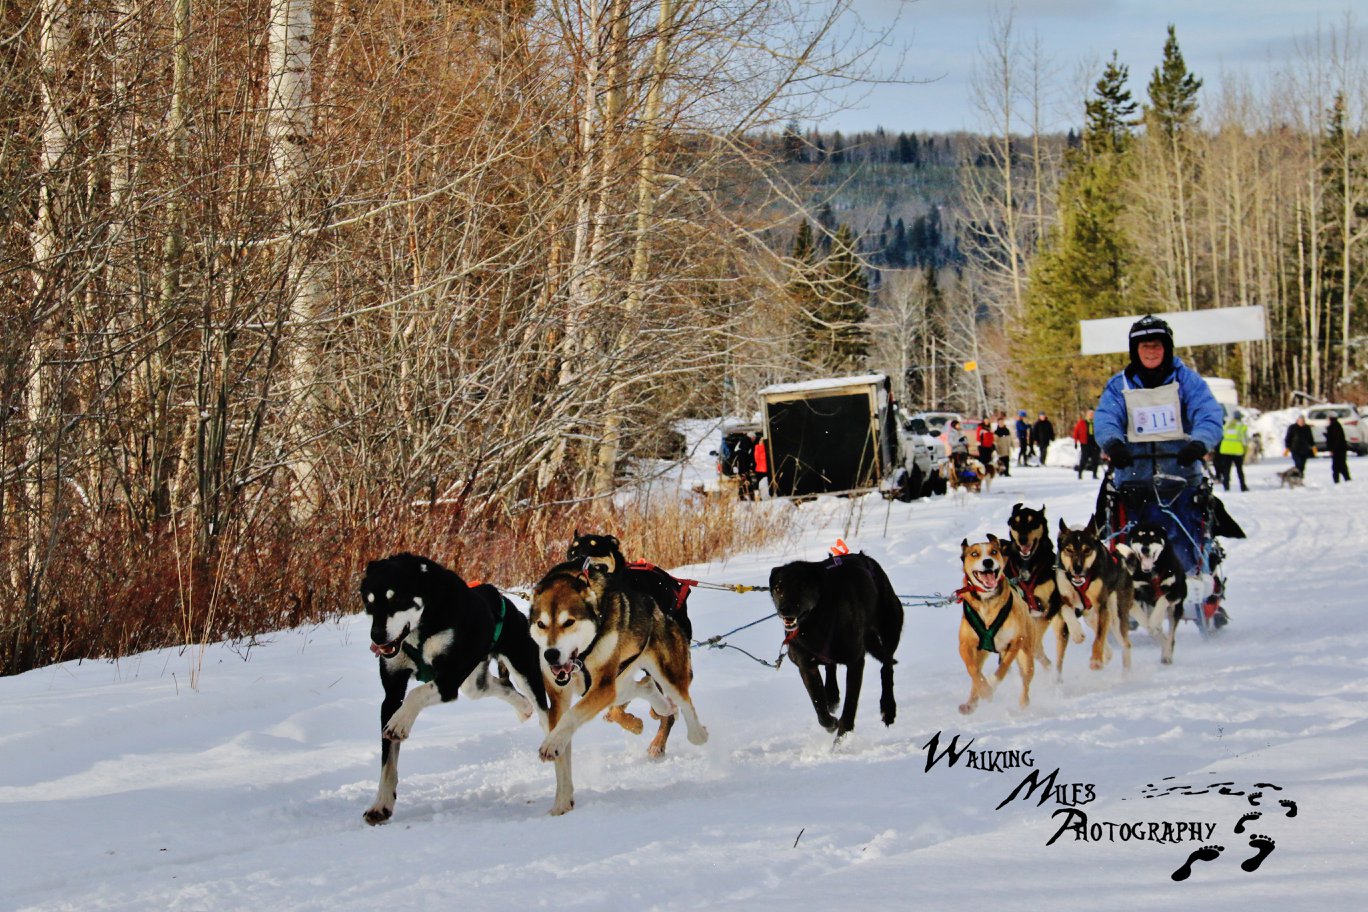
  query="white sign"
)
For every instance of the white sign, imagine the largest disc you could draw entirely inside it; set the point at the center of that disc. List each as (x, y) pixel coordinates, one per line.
(1190, 327)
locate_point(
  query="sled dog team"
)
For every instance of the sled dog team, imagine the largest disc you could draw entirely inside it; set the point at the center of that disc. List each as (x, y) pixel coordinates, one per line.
(601, 632)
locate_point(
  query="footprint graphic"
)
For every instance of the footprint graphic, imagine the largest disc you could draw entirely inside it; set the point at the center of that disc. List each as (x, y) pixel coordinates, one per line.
(1290, 805)
(1251, 816)
(1263, 846)
(1268, 785)
(1254, 798)
(1227, 790)
(1205, 853)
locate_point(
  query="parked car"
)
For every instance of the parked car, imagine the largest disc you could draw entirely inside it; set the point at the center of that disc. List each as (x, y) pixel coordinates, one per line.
(918, 474)
(1350, 418)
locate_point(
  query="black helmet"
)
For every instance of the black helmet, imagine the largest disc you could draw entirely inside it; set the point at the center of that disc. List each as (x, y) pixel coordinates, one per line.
(1150, 329)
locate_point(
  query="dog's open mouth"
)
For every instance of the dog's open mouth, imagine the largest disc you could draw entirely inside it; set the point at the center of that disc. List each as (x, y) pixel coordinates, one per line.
(790, 623)
(987, 580)
(563, 673)
(1078, 581)
(1025, 550)
(390, 649)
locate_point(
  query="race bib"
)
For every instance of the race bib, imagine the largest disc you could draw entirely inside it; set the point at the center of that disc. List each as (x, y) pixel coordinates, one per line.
(1154, 414)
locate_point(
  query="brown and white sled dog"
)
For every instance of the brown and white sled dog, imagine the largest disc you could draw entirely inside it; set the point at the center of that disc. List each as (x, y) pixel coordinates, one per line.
(995, 620)
(1096, 586)
(595, 636)
(1160, 585)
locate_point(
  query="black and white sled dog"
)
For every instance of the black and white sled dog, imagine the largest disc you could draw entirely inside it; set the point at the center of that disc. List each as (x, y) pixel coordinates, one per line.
(1160, 585)
(426, 623)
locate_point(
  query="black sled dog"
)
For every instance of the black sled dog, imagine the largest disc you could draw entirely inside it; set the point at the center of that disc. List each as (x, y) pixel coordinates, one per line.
(835, 611)
(426, 623)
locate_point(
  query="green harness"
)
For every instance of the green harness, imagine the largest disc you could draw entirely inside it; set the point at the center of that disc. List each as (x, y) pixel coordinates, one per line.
(986, 632)
(422, 670)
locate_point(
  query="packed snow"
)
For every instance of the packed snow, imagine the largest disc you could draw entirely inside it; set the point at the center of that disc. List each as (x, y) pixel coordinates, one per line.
(234, 777)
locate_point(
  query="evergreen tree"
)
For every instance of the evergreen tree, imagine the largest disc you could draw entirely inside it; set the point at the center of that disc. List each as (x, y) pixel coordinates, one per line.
(1109, 114)
(1082, 269)
(836, 339)
(792, 143)
(1173, 91)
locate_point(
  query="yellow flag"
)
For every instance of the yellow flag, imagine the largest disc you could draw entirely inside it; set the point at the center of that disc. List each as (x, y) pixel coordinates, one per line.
(971, 365)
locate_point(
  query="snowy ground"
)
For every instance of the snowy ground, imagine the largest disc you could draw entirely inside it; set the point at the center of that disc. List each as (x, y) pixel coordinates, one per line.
(124, 787)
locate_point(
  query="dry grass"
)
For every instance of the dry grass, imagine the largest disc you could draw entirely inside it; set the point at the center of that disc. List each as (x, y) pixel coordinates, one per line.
(111, 590)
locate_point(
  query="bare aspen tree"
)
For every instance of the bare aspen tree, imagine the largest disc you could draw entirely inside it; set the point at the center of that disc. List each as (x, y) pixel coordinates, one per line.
(992, 179)
(289, 131)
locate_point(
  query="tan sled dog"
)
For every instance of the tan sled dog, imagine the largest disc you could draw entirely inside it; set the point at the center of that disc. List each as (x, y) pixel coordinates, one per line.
(996, 619)
(595, 635)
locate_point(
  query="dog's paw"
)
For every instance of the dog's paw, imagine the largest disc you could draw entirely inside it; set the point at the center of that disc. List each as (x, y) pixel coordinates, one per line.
(625, 719)
(378, 814)
(966, 708)
(559, 809)
(525, 709)
(698, 735)
(552, 748)
(399, 728)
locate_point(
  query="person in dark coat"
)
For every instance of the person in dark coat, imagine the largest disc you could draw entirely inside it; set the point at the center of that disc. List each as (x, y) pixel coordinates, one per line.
(1298, 443)
(1023, 432)
(1042, 434)
(1339, 449)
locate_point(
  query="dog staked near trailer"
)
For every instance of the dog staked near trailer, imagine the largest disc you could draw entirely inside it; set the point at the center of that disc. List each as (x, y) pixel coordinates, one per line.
(829, 436)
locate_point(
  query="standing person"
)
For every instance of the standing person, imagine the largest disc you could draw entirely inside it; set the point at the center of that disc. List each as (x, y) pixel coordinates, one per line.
(1023, 432)
(1234, 443)
(1338, 446)
(1089, 455)
(1158, 416)
(1002, 443)
(1042, 434)
(760, 455)
(1299, 444)
(987, 443)
(743, 459)
(956, 444)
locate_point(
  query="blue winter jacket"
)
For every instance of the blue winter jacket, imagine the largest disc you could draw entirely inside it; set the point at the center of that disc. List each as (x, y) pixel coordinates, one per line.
(1202, 420)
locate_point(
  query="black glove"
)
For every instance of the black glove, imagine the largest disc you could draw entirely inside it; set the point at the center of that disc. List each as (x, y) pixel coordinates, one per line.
(1118, 455)
(1192, 451)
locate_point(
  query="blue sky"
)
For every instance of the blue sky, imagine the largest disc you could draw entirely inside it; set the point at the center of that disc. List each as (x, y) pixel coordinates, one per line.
(943, 39)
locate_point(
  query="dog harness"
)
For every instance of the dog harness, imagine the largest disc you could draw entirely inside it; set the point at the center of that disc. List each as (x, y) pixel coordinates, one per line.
(422, 670)
(986, 632)
(1082, 593)
(1026, 586)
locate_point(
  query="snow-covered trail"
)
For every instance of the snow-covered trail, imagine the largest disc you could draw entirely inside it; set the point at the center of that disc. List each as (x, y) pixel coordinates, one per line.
(121, 787)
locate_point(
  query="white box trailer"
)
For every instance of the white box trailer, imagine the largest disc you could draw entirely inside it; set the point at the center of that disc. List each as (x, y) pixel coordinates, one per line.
(829, 436)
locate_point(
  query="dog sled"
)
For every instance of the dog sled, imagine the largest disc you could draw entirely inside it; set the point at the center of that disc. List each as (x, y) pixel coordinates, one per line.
(1192, 518)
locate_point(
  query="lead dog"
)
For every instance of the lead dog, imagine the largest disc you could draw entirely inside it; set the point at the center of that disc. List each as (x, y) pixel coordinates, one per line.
(595, 635)
(834, 612)
(1160, 585)
(996, 619)
(670, 595)
(427, 623)
(1097, 586)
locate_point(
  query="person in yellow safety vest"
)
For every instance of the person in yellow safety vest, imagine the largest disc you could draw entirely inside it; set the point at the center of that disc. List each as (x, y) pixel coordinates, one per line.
(1231, 452)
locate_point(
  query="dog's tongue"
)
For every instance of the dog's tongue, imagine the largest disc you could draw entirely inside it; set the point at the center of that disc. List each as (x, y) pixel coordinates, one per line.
(986, 579)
